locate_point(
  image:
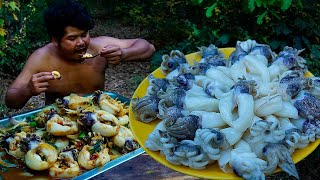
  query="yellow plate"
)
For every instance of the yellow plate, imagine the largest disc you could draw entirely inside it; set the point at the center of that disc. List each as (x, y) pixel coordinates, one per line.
(142, 130)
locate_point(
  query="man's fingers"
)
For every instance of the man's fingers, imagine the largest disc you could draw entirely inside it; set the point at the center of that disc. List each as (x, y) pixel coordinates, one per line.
(110, 54)
(40, 74)
(110, 49)
(44, 78)
(43, 85)
(113, 54)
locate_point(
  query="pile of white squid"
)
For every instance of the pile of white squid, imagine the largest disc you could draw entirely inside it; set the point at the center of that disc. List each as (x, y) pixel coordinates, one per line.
(248, 113)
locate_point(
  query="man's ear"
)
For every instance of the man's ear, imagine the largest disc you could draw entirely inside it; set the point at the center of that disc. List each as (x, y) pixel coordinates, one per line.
(55, 41)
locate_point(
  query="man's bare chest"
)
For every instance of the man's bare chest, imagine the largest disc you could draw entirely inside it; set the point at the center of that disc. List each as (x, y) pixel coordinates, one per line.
(78, 78)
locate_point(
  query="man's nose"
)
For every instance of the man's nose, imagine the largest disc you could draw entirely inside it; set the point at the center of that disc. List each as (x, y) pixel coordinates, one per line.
(80, 41)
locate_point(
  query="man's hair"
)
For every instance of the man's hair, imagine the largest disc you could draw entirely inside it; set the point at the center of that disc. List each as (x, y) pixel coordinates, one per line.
(63, 13)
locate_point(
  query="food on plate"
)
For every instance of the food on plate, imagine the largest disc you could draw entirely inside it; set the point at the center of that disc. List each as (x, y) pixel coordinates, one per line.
(248, 112)
(71, 136)
(66, 165)
(42, 157)
(56, 75)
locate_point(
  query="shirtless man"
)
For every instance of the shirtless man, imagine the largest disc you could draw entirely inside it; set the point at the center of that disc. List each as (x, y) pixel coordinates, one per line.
(68, 23)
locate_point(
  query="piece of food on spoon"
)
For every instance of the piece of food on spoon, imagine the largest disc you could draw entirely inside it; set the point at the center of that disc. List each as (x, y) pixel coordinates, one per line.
(87, 55)
(56, 75)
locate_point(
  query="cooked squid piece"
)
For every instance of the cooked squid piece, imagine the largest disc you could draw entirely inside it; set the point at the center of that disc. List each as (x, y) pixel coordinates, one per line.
(56, 75)
(66, 166)
(14, 145)
(74, 102)
(107, 129)
(123, 120)
(106, 116)
(89, 160)
(87, 55)
(109, 104)
(59, 126)
(61, 143)
(104, 126)
(125, 139)
(42, 157)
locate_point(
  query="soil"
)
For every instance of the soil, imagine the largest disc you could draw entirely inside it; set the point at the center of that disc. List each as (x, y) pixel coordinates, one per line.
(124, 79)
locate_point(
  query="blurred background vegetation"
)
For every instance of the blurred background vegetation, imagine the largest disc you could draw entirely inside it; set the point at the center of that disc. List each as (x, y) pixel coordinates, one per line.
(172, 24)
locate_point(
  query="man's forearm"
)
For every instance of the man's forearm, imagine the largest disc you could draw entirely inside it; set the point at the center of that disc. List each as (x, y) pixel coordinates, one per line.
(17, 98)
(141, 49)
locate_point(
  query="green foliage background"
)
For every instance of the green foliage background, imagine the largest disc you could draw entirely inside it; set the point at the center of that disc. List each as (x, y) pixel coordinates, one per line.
(176, 24)
(24, 32)
(185, 24)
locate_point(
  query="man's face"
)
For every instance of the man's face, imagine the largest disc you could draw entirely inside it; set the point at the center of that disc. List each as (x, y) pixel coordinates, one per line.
(74, 43)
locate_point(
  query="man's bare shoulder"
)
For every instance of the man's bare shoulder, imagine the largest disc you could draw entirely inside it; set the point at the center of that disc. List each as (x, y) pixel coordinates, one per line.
(41, 53)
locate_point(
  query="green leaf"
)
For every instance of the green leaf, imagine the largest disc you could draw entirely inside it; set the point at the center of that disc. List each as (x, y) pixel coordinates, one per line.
(210, 10)
(251, 5)
(1, 22)
(261, 17)
(259, 3)
(13, 5)
(82, 135)
(299, 3)
(15, 17)
(197, 2)
(286, 4)
(2, 32)
(195, 30)
(33, 124)
(215, 33)
(271, 2)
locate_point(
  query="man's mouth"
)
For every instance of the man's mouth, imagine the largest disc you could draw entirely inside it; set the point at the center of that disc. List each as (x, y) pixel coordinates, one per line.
(81, 52)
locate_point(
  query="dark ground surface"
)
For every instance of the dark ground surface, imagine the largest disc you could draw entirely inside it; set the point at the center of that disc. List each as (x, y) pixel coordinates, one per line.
(124, 79)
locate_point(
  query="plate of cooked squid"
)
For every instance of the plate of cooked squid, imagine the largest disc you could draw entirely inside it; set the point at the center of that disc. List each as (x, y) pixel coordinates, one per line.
(77, 137)
(229, 113)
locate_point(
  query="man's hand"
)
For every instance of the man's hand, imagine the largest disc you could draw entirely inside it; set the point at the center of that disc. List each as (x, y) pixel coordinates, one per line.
(39, 82)
(112, 53)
